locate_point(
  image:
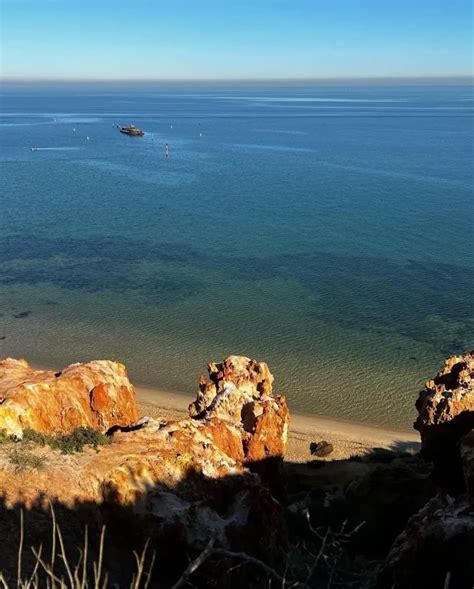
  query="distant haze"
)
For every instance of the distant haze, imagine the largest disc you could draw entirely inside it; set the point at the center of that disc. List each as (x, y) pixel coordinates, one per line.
(247, 39)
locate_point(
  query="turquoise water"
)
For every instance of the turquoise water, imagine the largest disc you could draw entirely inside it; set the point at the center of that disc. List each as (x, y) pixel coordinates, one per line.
(326, 230)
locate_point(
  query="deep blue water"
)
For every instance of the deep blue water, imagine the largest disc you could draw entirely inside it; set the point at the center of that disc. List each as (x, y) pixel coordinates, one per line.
(326, 230)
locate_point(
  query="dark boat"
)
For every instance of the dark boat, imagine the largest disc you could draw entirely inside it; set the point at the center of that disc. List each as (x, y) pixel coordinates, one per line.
(132, 130)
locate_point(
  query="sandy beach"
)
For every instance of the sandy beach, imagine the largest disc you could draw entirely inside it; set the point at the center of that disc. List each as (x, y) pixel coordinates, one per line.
(348, 438)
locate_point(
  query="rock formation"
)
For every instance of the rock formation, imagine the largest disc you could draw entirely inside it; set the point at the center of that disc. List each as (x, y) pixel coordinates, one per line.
(185, 481)
(437, 547)
(238, 407)
(96, 395)
(218, 474)
(446, 414)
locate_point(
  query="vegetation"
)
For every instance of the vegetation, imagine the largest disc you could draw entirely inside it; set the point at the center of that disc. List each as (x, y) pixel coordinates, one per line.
(22, 459)
(68, 443)
(58, 570)
(62, 566)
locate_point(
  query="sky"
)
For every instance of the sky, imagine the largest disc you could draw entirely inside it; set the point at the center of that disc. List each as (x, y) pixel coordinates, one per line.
(235, 39)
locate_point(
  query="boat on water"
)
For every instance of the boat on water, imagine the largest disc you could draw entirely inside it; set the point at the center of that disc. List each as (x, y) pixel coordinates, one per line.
(132, 130)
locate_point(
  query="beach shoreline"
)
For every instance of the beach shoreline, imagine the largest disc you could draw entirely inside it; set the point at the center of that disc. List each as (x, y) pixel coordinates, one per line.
(348, 438)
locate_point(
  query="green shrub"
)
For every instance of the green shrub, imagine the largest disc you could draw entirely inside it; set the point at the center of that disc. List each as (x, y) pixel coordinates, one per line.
(31, 435)
(4, 439)
(68, 443)
(80, 437)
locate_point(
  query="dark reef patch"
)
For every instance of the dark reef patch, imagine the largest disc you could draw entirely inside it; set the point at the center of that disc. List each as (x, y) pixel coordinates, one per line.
(22, 315)
(424, 301)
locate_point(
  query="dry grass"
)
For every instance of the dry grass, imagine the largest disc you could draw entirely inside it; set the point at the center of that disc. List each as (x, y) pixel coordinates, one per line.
(81, 574)
(57, 570)
(22, 459)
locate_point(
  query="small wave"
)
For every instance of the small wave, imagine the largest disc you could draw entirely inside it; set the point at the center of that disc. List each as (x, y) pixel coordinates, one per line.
(21, 124)
(281, 131)
(273, 147)
(311, 99)
(54, 148)
(78, 120)
(287, 99)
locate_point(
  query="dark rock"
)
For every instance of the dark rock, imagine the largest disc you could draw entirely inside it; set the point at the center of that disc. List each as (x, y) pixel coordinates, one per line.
(437, 545)
(321, 448)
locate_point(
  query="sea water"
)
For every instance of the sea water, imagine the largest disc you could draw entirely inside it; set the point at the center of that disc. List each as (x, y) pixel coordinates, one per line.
(324, 229)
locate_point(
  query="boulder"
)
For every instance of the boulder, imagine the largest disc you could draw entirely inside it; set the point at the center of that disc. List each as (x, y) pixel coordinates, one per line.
(446, 414)
(97, 395)
(321, 449)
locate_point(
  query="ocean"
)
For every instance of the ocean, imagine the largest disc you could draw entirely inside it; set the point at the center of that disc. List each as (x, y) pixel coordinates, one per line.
(326, 230)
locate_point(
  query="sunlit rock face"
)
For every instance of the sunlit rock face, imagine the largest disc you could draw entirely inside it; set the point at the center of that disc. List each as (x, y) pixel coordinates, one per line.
(240, 410)
(446, 414)
(96, 395)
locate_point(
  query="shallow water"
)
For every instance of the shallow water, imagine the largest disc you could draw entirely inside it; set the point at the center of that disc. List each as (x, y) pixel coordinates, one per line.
(326, 230)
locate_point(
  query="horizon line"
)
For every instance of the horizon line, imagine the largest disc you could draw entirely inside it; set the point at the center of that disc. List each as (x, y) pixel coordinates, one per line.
(307, 79)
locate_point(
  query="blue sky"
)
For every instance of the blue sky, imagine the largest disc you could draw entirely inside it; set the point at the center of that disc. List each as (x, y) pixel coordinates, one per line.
(192, 39)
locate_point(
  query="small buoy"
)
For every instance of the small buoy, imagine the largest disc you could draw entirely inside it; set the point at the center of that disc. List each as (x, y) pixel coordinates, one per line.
(200, 134)
(74, 129)
(171, 126)
(88, 138)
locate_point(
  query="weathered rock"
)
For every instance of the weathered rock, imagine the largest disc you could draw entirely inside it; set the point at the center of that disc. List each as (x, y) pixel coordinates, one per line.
(184, 482)
(438, 543)
(321, 449)
(446, 414)
(96, 395)
(237, 403)
(170, 481)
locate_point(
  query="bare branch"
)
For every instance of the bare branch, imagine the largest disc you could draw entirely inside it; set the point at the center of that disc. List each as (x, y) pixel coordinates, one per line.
(194, 565)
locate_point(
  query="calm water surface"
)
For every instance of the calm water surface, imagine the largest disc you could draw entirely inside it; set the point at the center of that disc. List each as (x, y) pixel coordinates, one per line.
(326, 230)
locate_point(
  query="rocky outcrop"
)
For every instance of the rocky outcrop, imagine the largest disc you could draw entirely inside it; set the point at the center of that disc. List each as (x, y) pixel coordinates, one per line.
(97, 395)
(239, 408)
(169, 471)
(446, 414)
(184, 481)
(436, 549)
(165, 482)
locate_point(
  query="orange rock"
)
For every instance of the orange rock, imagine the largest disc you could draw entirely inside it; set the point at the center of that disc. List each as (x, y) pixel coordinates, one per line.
(96, 395)
(239, 392)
